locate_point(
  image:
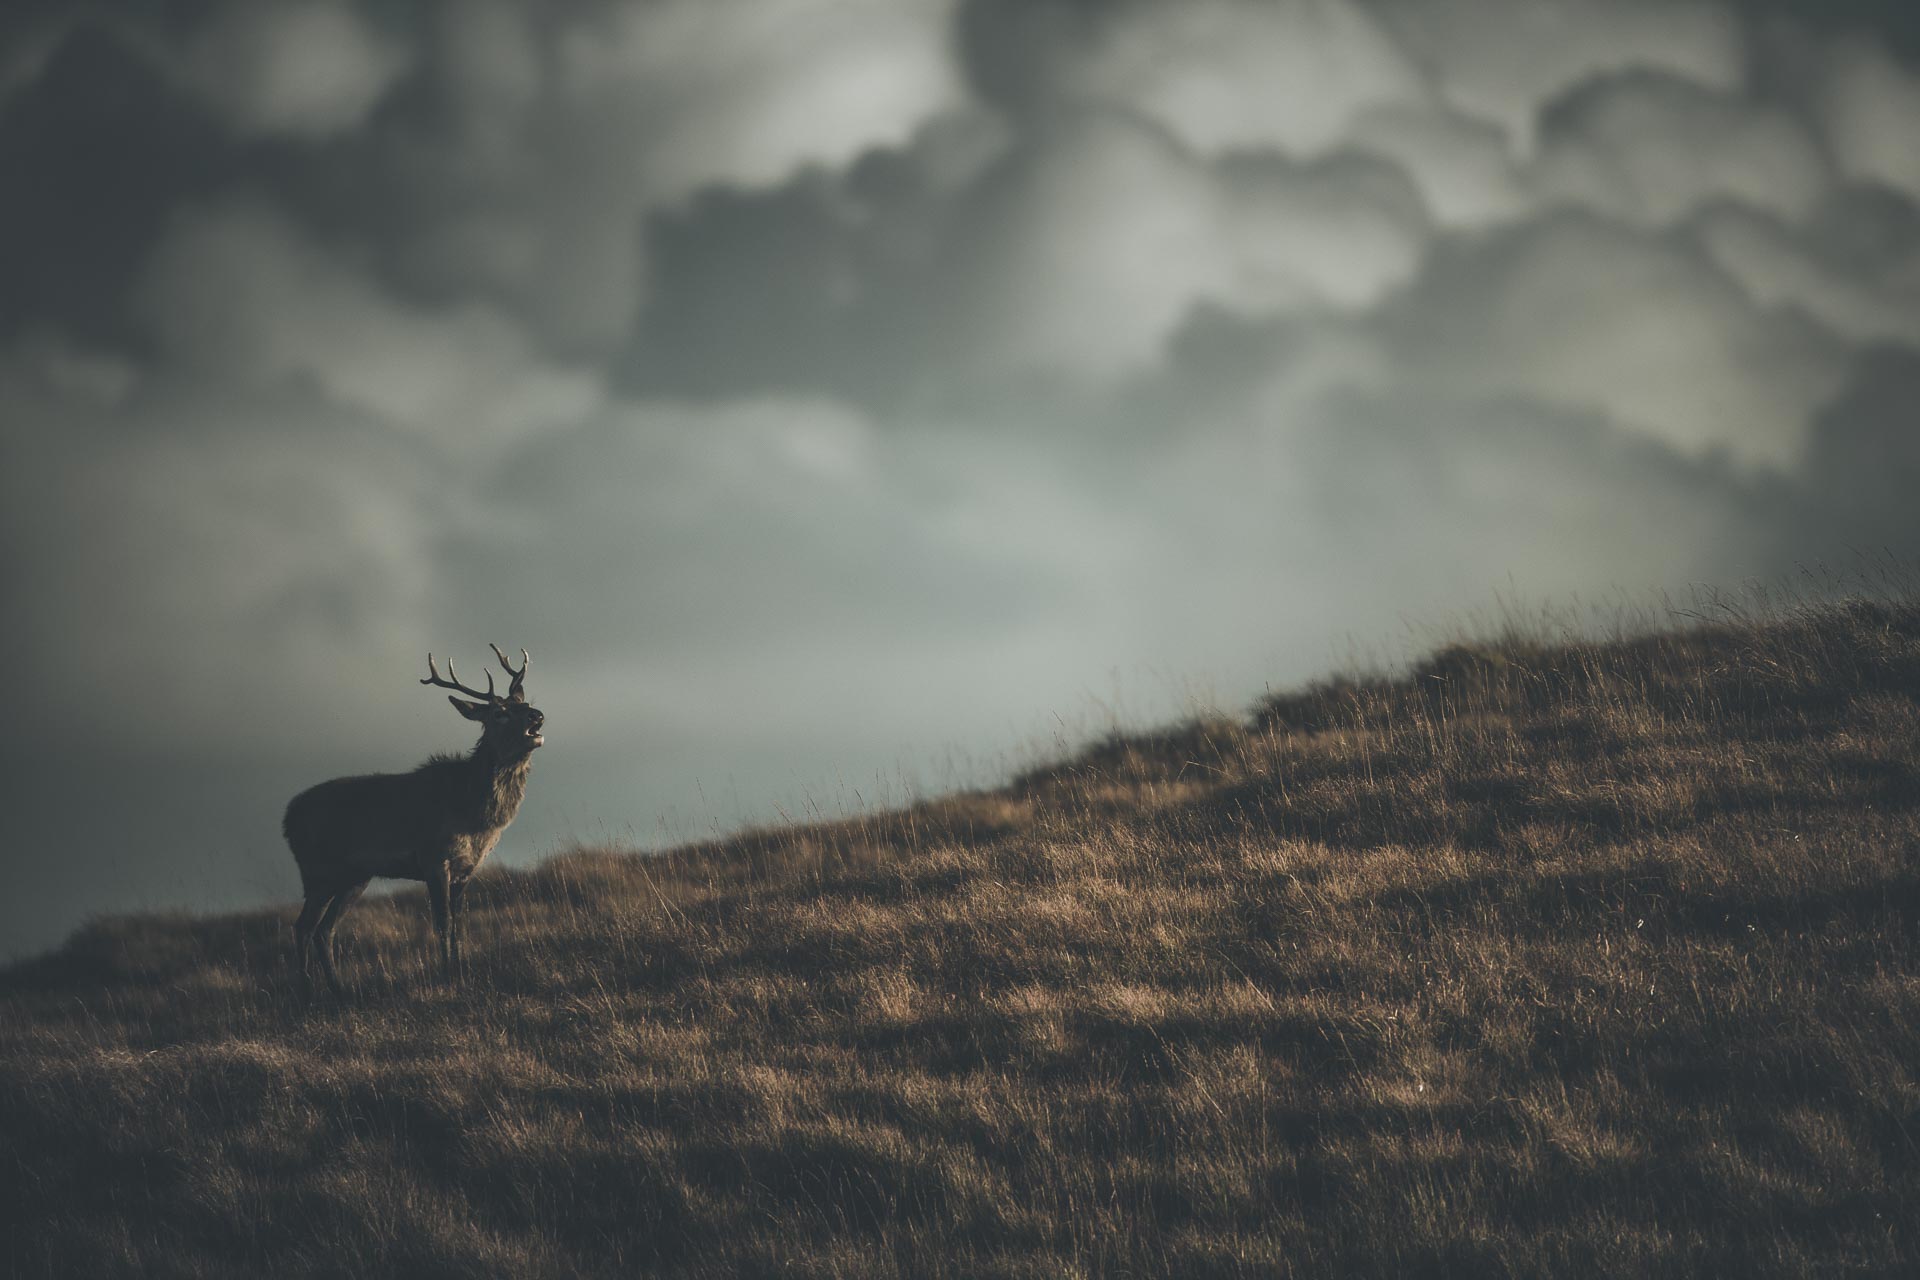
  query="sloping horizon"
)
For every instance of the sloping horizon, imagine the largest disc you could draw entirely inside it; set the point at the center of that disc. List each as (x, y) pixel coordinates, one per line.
(847, 400)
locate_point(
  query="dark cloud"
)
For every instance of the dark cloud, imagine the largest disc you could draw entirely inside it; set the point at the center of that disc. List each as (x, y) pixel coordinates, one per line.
(95, 151)
(753, 291)
(1592, 315)
(1218, 74)
(1895, 21)
(1861, 230)
(1055, 261)
(1863, 466)
(1504, 60)
(1652, 148)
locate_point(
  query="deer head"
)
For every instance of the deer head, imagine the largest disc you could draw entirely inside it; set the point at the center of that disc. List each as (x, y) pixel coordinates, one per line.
(510, 726)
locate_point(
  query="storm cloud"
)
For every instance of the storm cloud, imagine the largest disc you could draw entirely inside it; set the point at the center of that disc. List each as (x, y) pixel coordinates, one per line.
(841, 396)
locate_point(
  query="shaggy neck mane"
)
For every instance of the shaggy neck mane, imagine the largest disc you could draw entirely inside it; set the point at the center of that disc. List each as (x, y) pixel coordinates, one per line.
(502, 782)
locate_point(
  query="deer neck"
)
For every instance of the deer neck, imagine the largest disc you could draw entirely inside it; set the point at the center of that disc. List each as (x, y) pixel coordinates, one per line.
(501, 782)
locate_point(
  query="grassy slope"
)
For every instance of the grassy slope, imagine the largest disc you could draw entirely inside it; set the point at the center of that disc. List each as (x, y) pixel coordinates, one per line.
(1544, 961)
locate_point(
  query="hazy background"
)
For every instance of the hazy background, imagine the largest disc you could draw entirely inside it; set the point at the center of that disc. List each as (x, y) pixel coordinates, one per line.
(843, 398)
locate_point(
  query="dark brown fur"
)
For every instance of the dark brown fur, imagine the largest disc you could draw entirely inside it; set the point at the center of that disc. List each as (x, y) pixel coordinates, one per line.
(436, 824)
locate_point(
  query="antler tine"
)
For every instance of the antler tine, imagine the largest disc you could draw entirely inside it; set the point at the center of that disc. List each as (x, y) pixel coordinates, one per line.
(490, 693)
(514, 691)
(453, 681)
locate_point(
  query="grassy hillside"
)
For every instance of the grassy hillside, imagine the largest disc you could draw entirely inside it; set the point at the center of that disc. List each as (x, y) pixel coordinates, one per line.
(1542, 961)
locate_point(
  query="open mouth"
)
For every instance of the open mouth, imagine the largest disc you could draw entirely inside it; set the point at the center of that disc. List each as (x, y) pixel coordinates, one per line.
(535, 739)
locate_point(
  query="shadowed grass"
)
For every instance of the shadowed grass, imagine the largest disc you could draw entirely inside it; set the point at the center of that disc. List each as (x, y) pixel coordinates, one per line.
(1549, 958)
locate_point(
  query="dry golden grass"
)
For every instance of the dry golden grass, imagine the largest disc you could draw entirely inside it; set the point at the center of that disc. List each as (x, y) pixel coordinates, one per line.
(1546, 960)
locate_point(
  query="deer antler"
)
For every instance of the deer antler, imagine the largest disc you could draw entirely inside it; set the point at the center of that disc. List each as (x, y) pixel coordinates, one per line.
(514, 691)
(453, 681)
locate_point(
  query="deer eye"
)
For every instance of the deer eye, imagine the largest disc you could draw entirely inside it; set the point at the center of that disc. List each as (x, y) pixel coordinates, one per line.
(500, 715)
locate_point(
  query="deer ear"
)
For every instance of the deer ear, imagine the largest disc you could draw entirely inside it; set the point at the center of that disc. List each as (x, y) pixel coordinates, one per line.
(471, 710)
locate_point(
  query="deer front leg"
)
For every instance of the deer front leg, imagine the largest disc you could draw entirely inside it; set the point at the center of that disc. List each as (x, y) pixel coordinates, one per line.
(456, 892)
(437, 898)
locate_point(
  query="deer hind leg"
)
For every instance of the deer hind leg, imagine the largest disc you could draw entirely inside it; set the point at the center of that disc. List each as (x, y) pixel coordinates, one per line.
(310, 912)
(323, 933)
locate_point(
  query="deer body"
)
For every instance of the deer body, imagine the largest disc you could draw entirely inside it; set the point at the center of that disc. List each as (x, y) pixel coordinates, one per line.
(403, 826)
(436, 824)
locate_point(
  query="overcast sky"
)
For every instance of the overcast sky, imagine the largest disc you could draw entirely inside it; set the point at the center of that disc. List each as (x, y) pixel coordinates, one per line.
(844, 397)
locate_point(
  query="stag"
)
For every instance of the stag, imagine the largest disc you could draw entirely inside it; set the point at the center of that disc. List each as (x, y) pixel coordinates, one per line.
(436, 824)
